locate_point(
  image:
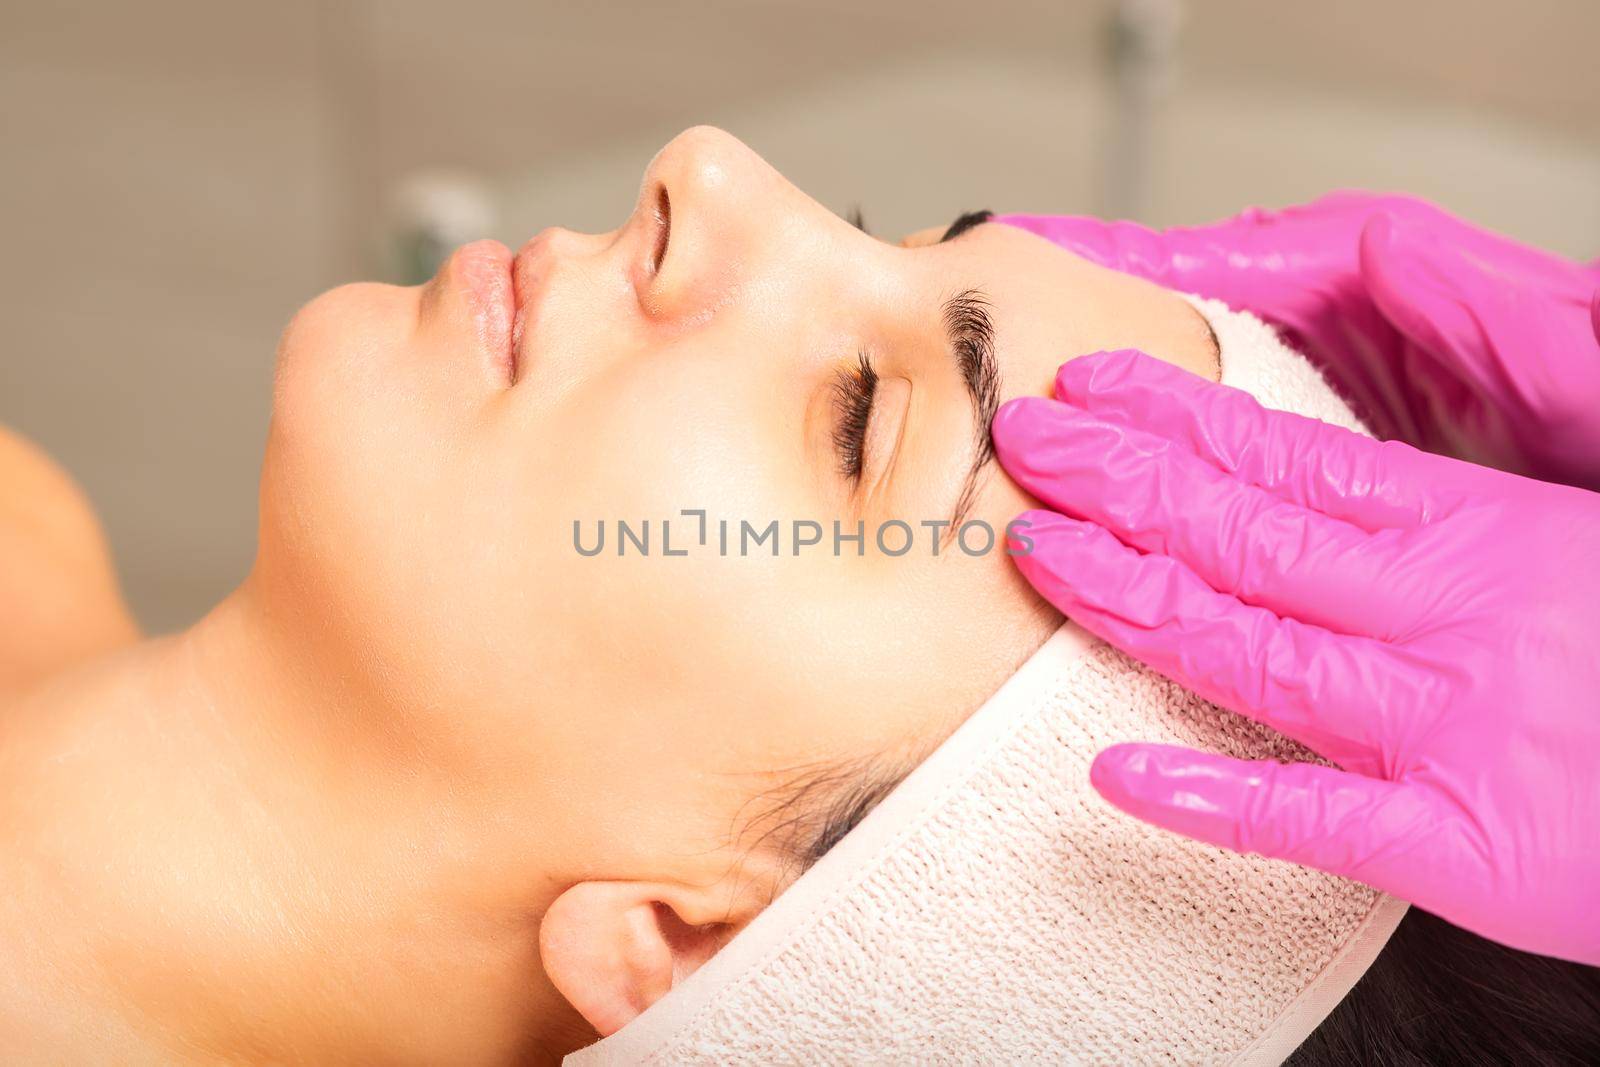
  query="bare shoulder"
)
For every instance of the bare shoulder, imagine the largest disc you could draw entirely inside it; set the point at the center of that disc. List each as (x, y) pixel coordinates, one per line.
(57, 582)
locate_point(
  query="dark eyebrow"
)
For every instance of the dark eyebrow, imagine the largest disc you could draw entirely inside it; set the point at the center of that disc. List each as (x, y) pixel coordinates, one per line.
(971, 334)
(964, 222)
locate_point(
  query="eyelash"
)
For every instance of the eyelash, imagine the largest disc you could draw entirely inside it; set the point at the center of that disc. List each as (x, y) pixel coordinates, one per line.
(853, 392)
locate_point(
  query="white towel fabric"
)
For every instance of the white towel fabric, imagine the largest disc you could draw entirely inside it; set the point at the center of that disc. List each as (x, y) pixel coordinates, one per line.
(995, 909)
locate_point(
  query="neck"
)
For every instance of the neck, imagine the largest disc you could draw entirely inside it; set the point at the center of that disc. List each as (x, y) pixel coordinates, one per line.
(221, 854)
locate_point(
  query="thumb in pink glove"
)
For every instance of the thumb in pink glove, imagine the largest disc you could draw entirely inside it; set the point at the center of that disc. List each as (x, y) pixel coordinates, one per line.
(1427, 625)
(1441, 334)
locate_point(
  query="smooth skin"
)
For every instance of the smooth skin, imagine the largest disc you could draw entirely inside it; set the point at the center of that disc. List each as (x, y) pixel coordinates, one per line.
(432, 787)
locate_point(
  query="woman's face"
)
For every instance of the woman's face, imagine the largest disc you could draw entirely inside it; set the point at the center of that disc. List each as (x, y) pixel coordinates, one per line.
(733, 349)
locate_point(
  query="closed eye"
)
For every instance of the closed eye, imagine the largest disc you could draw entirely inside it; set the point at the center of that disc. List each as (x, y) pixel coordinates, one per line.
(853, 392)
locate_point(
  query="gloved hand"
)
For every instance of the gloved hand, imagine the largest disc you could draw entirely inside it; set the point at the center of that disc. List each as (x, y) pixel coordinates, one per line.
(1440, 334)
(1430, 626)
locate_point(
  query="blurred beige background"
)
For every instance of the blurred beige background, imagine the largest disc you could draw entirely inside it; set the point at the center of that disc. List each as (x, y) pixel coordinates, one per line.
(180, 175)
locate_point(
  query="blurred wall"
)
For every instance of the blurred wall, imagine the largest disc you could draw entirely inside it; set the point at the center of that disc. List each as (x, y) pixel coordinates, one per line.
(181, 175)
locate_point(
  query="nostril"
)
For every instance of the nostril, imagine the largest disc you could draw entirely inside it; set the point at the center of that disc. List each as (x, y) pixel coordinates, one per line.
(663, 213)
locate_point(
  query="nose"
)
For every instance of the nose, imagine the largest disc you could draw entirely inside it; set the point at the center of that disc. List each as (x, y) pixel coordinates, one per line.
(702, 165)
(721, 203)
(699, 233)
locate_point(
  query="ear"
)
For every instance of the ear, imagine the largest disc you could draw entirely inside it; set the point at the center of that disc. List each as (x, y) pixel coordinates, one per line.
(615, 948)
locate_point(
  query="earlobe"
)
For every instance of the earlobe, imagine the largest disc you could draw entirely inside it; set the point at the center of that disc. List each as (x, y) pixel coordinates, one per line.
(614, 948)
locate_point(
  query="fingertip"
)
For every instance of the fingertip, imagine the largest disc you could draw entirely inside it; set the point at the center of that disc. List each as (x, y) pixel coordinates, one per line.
(1067, 561)
(1098, 372)
(1400, 260)
(1381, 251)
(1377, 235)
(1024, 531)
(1202, 796)
(1061, 539)
(1072, 377)
(1052, 523)
(1019, 425)
(1399, 264)
(1018, 416)
(1396, 244)
(1115, 767)
(1053, 540)
(1167, 786)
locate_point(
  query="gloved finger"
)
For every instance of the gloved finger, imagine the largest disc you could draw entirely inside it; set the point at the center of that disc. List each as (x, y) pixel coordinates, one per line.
(1278, 263)
(1392, 836)
(1299, 268)
(1328, 691)
(1119, 245)
(1516, 362)
(1159, 497)
(1327, 468)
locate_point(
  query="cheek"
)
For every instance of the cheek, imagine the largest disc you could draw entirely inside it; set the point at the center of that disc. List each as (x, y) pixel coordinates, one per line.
(681, 642)
(641, 449)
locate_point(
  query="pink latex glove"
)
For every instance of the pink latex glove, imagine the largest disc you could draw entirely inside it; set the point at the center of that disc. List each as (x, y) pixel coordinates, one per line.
(1430, 626)
(1440, 334)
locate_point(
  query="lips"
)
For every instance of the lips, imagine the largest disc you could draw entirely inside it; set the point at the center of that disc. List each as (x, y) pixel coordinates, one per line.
(529, 274)
(482, 273)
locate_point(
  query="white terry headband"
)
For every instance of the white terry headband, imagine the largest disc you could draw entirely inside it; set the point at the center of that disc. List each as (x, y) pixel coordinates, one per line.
(995, 908)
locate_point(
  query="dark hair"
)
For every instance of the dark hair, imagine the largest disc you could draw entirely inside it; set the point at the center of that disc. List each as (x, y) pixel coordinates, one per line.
(1439, 995)
(810, 808)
